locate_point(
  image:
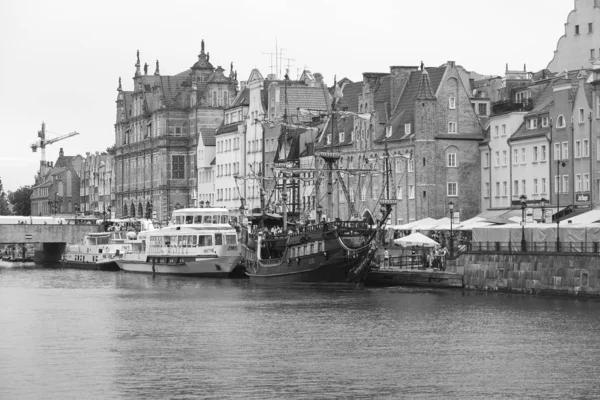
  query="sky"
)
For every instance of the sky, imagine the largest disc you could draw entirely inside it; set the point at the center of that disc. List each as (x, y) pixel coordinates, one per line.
(60, 60)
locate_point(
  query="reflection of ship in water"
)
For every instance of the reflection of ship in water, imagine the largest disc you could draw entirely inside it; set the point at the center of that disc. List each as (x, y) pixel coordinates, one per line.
(306, 244)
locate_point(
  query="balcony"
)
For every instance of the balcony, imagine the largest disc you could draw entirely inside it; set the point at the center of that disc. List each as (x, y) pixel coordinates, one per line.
(505, 106)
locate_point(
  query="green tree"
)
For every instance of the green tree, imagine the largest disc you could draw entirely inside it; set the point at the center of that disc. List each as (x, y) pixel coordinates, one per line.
(21, 200)
(4, 209)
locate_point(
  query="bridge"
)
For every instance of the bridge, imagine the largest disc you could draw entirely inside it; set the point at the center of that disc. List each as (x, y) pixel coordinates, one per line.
(53, 238)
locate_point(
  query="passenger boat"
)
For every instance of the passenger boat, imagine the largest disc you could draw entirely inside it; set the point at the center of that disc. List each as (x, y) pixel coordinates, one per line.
(99, 251)
(312, 249)
(200, 242)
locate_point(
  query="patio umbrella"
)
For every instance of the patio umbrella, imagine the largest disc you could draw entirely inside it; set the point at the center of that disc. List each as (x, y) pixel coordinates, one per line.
(416, 239)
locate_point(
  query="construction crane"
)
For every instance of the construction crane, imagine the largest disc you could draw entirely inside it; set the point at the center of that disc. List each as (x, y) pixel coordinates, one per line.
(42, 143)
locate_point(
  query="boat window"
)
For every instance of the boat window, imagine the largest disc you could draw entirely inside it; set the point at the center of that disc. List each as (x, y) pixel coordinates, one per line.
(208, 219)
(189, 219)
(182, 241)
(312, 248)
(320, 247)
(198, 219)
(191, 241)
(215, 219)
(204, 240)
(168, 241)
(224, 219)
(218, 239)
(293, 252)
(155, 241)
(230, 239)
(179, 219)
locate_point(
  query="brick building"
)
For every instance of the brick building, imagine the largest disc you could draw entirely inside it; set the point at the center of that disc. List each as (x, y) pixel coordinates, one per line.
(162, 127)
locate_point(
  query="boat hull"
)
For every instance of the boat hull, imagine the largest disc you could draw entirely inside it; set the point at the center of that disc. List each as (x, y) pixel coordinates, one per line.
(217, 267)
(97, 266)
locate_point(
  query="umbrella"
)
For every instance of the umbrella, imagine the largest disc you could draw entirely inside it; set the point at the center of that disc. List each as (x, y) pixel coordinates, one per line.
(416, 239)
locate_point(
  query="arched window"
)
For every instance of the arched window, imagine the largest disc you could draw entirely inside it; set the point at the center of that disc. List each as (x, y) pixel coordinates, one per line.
(560, 121)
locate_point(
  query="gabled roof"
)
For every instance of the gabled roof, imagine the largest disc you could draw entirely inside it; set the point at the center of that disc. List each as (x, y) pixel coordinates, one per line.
(404, 112)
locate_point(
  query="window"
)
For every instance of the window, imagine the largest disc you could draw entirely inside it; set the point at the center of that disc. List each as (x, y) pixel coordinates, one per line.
(482, 109)
(556, 184)
(328, 140)
(497, 159)
(543, 158)
(503, 129)
(523, 187)
(523, 156)
(452, 103)
(505, 188)
(451, 160)
(178, 167)
(388, 131)
(592, 53)
(399, 193)
(544, 122)
(535, 186)
(497, 189)
(565, 184)
(178, 130)
(407, 129)
(516, 188)
(533, 123)
(557, 151)
(581, 116)
(586, 182)
(451, 127)
(452, 188)
(411, 191)
(411, 165)
(577, 149)
(363, 194)
(560, 121)
(586, 148)
(543, 185)
(504, 158)
(590, 27)
(486, 159)
(496, 131)
(341, 137)
(565, 150)
(597, 106)
(577, 29)
(515, 156)
(577, 182)
(535, 154)
(487, 189)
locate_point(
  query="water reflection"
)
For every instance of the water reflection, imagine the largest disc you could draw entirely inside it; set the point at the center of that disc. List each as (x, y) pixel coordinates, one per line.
(72, 334)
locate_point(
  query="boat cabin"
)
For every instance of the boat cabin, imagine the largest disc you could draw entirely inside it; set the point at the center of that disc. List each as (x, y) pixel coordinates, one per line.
(201, 216)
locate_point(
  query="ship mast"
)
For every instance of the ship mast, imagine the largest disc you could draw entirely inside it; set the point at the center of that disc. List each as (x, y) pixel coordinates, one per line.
(331, 156)
(285, 142)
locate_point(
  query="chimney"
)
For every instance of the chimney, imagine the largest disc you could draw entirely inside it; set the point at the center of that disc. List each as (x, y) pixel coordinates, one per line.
(243, 85)
(61, 153)
(271, 77)
(400, 76)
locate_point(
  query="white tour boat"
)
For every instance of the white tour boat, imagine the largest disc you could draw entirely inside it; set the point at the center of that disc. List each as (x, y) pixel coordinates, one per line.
(200, 242)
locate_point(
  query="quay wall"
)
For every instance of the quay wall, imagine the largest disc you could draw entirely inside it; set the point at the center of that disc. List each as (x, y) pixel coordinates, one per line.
(535, 273)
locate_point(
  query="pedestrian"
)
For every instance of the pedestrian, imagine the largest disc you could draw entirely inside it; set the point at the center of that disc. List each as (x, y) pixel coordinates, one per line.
(386, 258)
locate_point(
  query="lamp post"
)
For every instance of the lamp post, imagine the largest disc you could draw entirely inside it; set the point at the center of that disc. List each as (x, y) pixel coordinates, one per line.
(543, 202)
(523, 207)
(451, 208)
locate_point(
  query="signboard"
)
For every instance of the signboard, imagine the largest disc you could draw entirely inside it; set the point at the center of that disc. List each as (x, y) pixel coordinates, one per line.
(28, 236)
(456, 217)
(582, 197)
(529, 214)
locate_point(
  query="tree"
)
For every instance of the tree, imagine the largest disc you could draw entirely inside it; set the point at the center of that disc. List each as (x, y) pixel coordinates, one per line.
(4, 209)
(21, 200)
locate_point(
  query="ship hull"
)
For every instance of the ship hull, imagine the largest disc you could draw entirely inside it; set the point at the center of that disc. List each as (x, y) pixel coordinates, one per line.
(96, 266)
(216, 267)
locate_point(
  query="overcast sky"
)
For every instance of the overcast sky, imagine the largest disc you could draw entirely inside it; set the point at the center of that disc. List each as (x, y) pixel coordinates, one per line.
(60, 61)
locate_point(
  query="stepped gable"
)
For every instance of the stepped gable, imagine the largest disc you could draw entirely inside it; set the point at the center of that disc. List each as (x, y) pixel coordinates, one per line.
(405, 109)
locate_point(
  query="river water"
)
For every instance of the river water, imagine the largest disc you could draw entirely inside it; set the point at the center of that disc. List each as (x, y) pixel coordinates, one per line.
(69, 334)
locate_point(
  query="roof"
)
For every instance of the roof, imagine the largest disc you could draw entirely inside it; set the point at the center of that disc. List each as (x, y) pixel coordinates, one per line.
(405, 108)
(351, 91)
(228, 128)
(305, 97)
(242, 99)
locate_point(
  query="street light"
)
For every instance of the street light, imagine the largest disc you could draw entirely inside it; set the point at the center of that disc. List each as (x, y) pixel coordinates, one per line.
(543, 202)
(523, 207)
(451, 208)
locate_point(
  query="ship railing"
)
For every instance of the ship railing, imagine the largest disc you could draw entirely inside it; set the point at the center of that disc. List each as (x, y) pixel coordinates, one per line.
(411, 262)
(530, 247)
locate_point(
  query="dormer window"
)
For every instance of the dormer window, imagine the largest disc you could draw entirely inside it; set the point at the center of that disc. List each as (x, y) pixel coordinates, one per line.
(388, 131)
(452, 103)
(342, 137)
(407, 129)
(451, 127)
(533, 123)
(544, 122)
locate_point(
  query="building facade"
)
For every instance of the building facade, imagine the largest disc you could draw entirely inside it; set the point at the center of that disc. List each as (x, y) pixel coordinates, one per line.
(165, 136)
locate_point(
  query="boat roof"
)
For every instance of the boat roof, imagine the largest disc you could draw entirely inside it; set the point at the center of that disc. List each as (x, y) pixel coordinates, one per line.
(191, 229)
(200, 209)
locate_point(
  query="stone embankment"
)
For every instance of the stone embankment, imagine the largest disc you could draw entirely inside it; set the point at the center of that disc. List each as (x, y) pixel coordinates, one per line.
(570, 274)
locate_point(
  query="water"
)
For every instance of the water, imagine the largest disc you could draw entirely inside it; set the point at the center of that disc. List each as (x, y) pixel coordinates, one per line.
(69, 334)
